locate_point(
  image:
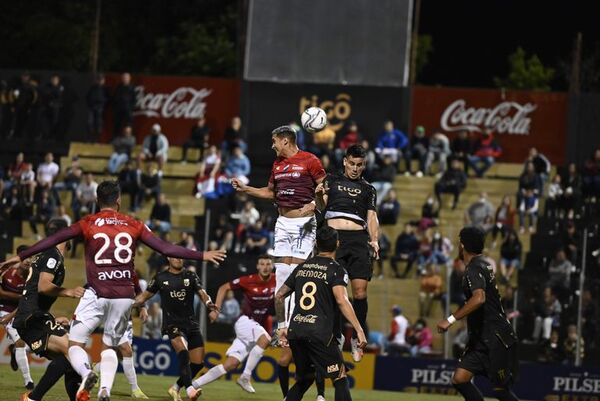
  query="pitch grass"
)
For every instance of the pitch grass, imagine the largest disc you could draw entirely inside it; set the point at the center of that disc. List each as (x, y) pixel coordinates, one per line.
(155, 387)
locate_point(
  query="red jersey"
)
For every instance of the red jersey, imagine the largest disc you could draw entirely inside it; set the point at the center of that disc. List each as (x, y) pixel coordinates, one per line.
(11, 281)
(259, 296)
(294, 179)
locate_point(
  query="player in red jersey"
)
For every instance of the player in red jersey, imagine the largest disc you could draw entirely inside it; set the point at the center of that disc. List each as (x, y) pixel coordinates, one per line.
(251, 338)
(110, 240)
(294, 177)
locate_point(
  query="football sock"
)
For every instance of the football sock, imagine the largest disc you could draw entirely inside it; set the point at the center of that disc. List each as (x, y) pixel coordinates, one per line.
(504, 394)
(54, 371)
(129, 371)
(23, 363)
(342, 390)
(79, 360)
(468, 391)
(108, 369)
(361, 307)
(284, 379)
(299, 388)
(185, 374)
(320, 383)
(253, 358)
(96, 368)
(72, 382)
(210, 376)
(194, 368)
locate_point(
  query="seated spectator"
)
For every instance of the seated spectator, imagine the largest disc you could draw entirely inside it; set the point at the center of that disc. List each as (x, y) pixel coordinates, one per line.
(27, 184)
(72, 177)
(383, 177)
(152, 327)
(591, 176)
(548, 316)
(430, 212)
(439, 149)
(510, 256)
(441, 247)
(155, 148)
(16, 169)
(572, 179)
(47, 172)
(160, 217)
(559, 272)
(405, 250)
(504, 219)
(452, 182)
(462, 148)
(529, 207)
(570, 345)
(238, 165)
(235, 135)
(351, 137)
(199, 139)
(555, 197)
(384, 249)
(485, 153)
(431, 288)
(208, 174)
(323, 142)
(422, 338)
(389, 210)
(86, 197)
(570, 242)
(541, 164)
(397, 345)
(44, 211)
(529, 180)
(149, 184)
(370, 160)
(230, 310)
(479, 211)
(419, 145)
(257, 239)
(392, 142)
(223, 233)
(552, 350)
(248, 216)
(122, 148)
(129, 179)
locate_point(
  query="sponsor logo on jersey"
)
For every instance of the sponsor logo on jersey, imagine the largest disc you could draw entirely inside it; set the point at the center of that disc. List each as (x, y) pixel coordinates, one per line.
(180, 295)
(111, 221)
(333, 368)
(51, 263)
(165, 283)
(294, 174)
(114, 274)
(36, 345)
(290, 191)
(350, 191)
(310, 319)
(186, 282)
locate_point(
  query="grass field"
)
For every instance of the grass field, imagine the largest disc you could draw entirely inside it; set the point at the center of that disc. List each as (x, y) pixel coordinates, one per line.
(155, 387)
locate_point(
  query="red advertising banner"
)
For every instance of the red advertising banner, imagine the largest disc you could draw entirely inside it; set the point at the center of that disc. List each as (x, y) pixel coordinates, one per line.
(519, 119)
(176, 103)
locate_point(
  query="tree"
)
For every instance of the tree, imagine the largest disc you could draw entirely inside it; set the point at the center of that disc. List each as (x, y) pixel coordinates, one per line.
(526, 73)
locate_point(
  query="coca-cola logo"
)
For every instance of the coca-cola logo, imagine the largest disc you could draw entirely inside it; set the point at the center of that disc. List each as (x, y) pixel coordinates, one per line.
(506, 117)
(183, 102)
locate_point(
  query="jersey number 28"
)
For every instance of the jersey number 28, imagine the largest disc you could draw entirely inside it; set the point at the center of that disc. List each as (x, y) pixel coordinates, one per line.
(119, 248)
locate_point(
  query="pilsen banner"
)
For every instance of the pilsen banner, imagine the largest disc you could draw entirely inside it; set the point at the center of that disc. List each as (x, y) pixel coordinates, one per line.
(519, 119)
(176, 103)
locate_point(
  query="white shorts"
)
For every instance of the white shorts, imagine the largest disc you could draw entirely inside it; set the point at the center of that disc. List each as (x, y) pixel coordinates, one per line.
(247, 333)
(10, 330)
(114, 313)
(294, 237)
(128, 336)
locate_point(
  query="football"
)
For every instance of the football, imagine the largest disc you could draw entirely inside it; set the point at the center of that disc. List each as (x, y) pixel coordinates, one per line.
(314, 119)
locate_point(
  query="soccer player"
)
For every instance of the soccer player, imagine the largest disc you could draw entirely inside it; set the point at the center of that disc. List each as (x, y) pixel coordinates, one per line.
(177, 287)
(251, 338)
(110, 240)
(12, 283)
(349, 204)
(319, 286)
(43, 333)
(294, 177)
(492, 346)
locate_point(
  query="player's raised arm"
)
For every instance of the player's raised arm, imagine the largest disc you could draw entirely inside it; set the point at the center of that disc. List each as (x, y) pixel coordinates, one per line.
(263, 193)
(47, 287)
(175, 251)
(341, 297)
(472, 304)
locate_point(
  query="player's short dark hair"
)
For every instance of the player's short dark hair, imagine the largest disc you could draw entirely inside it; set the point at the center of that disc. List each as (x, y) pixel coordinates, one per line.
(327, 239)
(473, 239)
(107, 193)
(356, 150)
(264, 256)
(55, 225)
(285, 131)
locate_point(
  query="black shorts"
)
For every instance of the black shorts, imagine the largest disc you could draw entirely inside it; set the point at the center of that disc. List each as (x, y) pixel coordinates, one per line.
(354, 254)
(37, 329)
(191, 333)
(311, 355)
(495, 358)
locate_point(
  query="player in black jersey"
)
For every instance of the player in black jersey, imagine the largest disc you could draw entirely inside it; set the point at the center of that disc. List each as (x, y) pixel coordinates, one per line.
(45, 334)
(319, 286)
(349, 205)
(492, 347)
(177, 287)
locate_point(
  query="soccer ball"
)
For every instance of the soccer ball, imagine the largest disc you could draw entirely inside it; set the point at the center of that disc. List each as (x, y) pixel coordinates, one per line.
(314, 119)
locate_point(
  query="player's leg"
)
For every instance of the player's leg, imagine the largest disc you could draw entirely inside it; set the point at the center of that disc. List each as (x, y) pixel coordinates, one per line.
(328, 360)
(361, 308)
(20, 355)
(305, 373)
(126, 351)
(188, 351)
(503, 368)
(320, 384)
(462, 380)
(257, 351)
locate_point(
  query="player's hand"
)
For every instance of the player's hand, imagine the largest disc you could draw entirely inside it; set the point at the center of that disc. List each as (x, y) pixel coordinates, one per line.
(143, 314)
(238, 185)
(215, 256)
(320, 190)
(375, 246)
(282, 337)
(213, 316)
(443, 326)
(362, 340)
(10, 262)
(211, 306)
(76, 292)
(63, 321)
(6, 319)
(308, 209)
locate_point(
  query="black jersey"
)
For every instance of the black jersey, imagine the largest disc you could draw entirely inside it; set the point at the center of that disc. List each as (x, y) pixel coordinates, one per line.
(316, 310)
(177, 293)
(348, 198)
(490, 319)
(50, 261)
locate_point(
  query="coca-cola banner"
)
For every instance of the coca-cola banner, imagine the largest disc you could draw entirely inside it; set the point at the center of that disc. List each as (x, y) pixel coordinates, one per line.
(176, 103)
(519, 119)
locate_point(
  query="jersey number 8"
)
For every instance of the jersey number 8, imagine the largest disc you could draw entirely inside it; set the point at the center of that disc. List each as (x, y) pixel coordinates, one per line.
(309, 289)
(119, 248)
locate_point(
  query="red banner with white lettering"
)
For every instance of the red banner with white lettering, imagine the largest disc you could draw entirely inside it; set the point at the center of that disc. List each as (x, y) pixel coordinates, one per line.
(176, 103)
(519, 119)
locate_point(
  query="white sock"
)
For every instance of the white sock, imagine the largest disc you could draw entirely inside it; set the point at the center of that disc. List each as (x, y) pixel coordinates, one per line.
(23, 363)
(79, 360)
(210, 376)
(176, 387)
(108, 369)
(97, 367)
(129, 370)
(253, 358)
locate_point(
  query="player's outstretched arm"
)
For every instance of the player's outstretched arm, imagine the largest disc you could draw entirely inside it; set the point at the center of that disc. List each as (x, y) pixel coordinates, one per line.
(341, 297)
(321, 196)
(263, 193)
(47, 287)
(214, 314)
(373, 229)
(141, 299)
(8, 318)
(474, 303)
(175, 251)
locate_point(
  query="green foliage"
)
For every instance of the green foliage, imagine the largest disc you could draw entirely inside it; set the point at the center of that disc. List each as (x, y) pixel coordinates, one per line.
(526, 73)
(424, 52)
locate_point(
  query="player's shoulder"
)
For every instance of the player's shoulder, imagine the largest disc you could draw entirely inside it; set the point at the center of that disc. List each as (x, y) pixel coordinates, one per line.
(307, 156)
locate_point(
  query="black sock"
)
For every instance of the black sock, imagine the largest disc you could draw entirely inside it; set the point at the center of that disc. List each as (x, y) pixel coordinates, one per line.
(468, 391)
(320, 383)
(194, 369)
(361, 307)
(342, 390)
(299, 388)
(72, 382)
(185, 373)
(284, 379)
(54, 371)
(504, 394)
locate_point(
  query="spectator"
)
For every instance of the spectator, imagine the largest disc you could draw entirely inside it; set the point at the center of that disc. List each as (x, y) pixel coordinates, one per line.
(249, 214)
(405, 250)
(389, 210)
(462, 148)
(152, 327)
(430, 212)
(441, 247)
(124, 101)
(27, 183)
(392, 142)
(129, 179)
(384, 177)
(552, 350)
(591, 176)
(230, 309)
(86, 197)
(419, 146)
(54, 102)
(529, 207)
(149, 184)
(235, 135)
(570, 345)
(555, 197)
(351, 137)
(206, 178)
(384, 249)
(16, 169)
(439, 149)
(199, 139)
(431, 288)
(257, 239)
(452, 182)
(559, 272)
(529, 180)
(238, 165)
(160, 217)
(504, 219)
(72, 177)
(46, 176)
(370, 159)
(486, 151)
(26, 99)
(323, 142)
(155, 147)
(423, 337)
(570, 241)
(43, 212)
(510, 256)
(548, 316)
(541, 164)
(223, 233)
(96, 98)
(397, 345)
(479, 211)
(457, 296)
(572, 179)
(122, 148)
